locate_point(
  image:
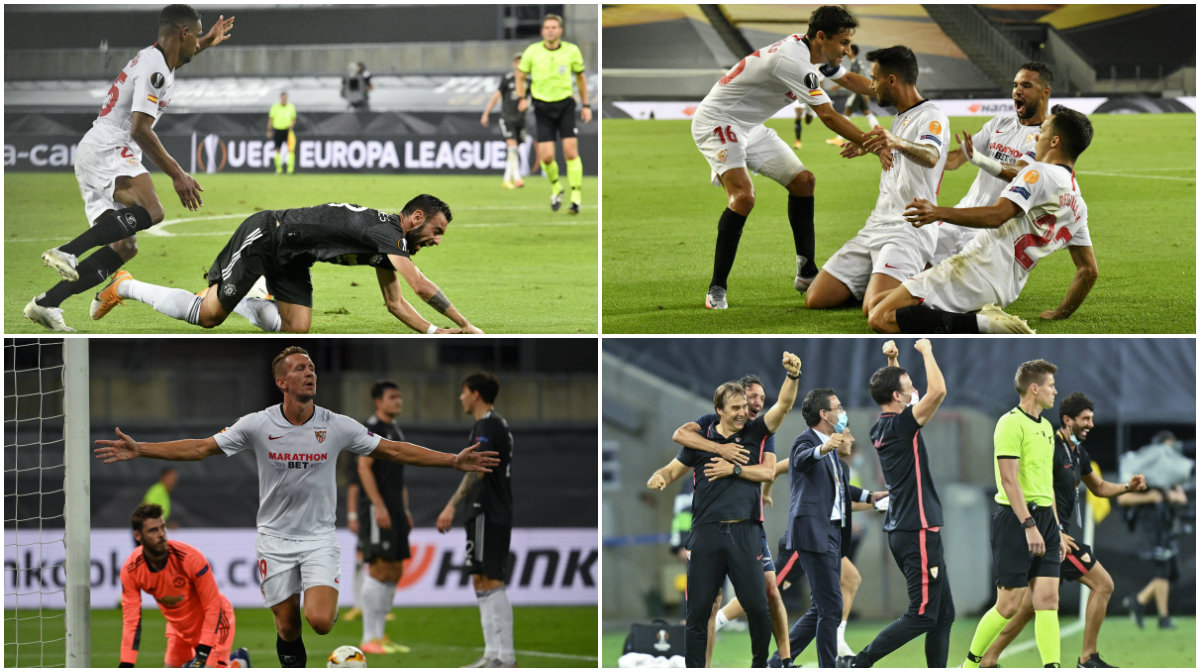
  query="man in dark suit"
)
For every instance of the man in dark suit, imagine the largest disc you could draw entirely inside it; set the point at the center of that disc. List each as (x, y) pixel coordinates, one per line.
(818, 511)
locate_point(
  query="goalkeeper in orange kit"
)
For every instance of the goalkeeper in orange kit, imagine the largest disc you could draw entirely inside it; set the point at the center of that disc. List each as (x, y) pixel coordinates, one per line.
(200, 621)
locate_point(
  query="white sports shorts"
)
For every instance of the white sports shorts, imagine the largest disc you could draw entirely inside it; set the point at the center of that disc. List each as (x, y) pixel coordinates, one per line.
(956, 285)
(758, 148)
(898, 250)
(287, 567)
(97, 170)
(951, 240)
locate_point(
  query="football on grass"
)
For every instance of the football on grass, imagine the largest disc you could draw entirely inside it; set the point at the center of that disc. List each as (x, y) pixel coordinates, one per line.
(347, 656)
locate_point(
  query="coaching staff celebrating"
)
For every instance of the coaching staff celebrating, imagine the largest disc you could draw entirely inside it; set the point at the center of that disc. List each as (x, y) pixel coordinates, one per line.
(914, 516)
(1026, 542)
(727, 515)
(552, 63)
(817, 511)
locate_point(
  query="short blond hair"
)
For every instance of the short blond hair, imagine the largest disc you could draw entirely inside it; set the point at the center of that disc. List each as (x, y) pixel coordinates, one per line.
(556, 17)
(277, 363)
(1033, 371)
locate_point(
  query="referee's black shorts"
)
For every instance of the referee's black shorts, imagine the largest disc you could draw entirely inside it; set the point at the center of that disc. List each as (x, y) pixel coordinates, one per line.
(249, 254)
(555, 119)
(1013, 563)
(1078, 562)
(487, 548)
(279, 137)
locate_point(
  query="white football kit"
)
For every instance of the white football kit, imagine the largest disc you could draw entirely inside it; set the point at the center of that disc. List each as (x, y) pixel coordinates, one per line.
(1004, 139)
(995, 265)
(297, 493)
(728, 125)
(887, 243)
(107, 151)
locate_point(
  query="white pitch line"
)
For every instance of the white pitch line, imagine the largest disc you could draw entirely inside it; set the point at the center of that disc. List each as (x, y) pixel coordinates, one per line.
(535, 654)
(1143, 177)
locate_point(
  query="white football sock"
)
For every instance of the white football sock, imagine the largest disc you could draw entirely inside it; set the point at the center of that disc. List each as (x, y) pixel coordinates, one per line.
(496, 615)
(512, 169)
(377, 602)
(985, 325)
(487, 620)
(722, 619)
(177, 303)
(872, 120)
(842, 634)
(262, 313)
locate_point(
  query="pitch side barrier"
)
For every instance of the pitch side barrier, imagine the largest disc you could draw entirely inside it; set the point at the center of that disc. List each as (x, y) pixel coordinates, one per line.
(425, 143)
(551, 566)
(977, 107)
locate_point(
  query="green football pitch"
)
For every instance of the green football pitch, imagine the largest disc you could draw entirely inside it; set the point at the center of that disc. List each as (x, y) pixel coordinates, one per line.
(507, 262)
(1121, 644)
(1138, 178)
(438, 637)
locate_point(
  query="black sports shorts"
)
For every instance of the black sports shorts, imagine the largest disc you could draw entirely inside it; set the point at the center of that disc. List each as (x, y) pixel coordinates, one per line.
(1011, 560)
(378, 543)
(249, 254)
(555, 119)
(280, 137)
(1078, 562)
(513, 128)
(487, 548)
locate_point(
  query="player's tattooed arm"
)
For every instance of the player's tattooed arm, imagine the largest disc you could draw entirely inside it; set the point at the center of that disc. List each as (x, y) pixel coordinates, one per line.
(393, 298)
(430, 293)
(921, 212)
(1086, 273)
(880, 139)
(445, 519)
(439, 302)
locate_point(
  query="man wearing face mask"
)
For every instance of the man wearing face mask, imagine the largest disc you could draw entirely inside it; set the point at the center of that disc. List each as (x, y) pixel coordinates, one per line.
(914, 516)
(817, 512)
(1072, 464)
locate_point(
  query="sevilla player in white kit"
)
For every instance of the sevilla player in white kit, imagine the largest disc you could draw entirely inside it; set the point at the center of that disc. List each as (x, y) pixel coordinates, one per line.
(728, 130)
(887, 251)
(1000, 149)
(118, 195)
(296, 445)
(1040, 211)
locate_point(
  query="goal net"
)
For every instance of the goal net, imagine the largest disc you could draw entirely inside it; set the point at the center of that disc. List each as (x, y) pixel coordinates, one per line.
(47, 508)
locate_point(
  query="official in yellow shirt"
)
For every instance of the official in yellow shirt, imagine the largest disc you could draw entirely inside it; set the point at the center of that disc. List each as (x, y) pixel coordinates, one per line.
(280, 122)
(552, 63)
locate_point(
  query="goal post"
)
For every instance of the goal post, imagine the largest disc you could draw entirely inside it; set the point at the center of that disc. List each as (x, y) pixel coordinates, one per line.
(77, 504)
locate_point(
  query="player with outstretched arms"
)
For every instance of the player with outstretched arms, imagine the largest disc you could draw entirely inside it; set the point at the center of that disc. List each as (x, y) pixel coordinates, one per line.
(728, 129)
(489, 520)
(200, 620)
(886, 251)
(296, 444)
(118, 195)
(283, 245)
(1005, 144)
(1041, 210)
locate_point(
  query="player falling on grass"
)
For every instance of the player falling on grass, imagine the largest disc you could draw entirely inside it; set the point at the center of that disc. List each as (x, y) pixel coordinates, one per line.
(887, 251)
(387, 521)
(1006, 143)
(200, 620)
(282, 245)
(1040, 211)
(1072, 466)
(728, 129)
(489, 520)
(118, 195)
(296, 445)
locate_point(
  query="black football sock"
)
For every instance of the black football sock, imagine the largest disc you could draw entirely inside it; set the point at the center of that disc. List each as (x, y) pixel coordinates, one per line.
(110, 227)
(925, 320)
(291, 654)
(729, 232)
(799, 127)
(92, 271)
(800, 216)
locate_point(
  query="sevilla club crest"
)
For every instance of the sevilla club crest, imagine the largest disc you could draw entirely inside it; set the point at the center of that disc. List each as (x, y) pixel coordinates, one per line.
(320, 434)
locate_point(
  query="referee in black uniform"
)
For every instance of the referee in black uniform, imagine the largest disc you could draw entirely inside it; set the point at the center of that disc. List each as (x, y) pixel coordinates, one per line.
(914, 516)
(385, 522)
(489, 520)
(727, 515)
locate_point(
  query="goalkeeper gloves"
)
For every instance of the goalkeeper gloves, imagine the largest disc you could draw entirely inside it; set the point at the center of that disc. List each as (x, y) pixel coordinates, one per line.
(201, 658)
